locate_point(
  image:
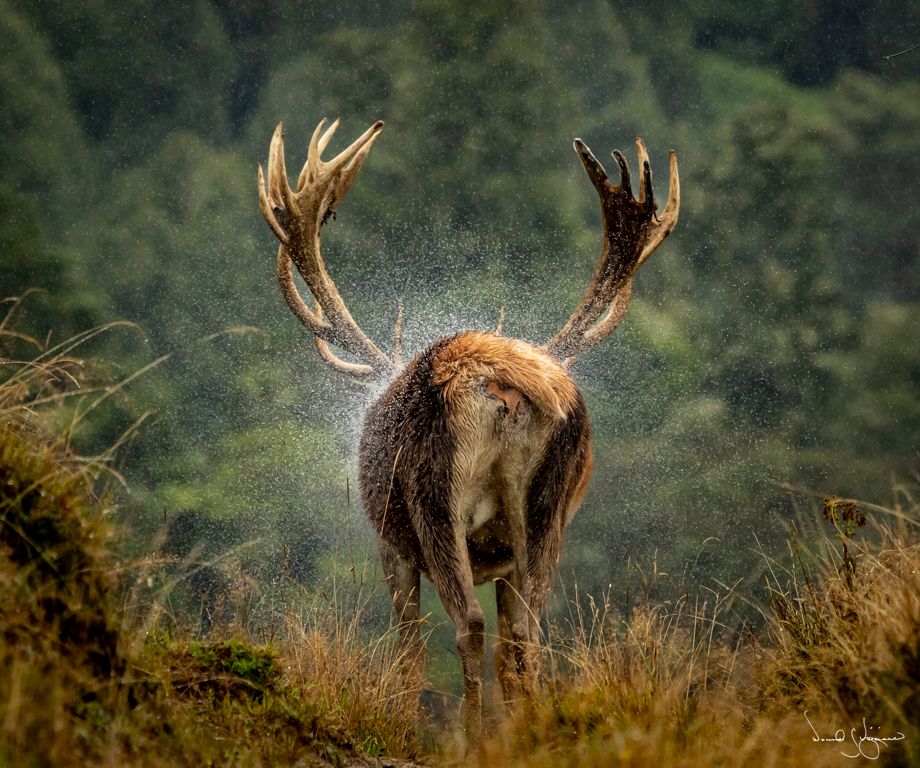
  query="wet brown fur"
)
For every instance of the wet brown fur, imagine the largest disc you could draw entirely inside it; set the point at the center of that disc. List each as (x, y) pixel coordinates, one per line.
(409, 444)
(471, 463)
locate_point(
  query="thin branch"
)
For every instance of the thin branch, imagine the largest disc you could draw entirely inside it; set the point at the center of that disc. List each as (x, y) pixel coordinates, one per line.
(901, 53)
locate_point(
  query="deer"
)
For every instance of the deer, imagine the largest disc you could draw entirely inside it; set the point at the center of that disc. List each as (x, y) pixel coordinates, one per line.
(478, 452)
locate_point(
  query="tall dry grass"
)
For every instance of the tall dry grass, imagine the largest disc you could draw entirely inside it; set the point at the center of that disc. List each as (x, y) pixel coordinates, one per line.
(680, 685)
(60, 645)
(85, 682)
(845, 633)
(367, 685)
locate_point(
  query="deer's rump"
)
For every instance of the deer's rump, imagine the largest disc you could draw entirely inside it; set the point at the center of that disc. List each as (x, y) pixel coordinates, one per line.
(460, 436)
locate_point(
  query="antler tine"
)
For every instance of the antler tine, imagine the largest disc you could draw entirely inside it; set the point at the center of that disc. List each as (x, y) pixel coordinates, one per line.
(625, 181)
(642, 152)
(312, 165)
(350, 172)
(267, 212)
(317, 144)
(672, 209)
(281, 177)
(668, 220)
(648, 189)
(274, 191)
(591, 164)
(327, 136)
(351, 152)
(337, 363)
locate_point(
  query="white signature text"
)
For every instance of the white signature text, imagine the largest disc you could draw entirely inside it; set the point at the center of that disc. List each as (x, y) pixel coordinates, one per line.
(867, 746)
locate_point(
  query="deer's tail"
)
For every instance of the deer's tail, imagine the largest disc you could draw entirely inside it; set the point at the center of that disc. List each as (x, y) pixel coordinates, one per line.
(507, 364)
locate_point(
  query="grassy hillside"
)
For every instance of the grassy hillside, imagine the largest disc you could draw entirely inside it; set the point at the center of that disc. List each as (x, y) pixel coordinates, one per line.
(99, 671)
(94, 668)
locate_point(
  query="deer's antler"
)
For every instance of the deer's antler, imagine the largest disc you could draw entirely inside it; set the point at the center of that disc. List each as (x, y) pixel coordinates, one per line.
(296, 218)
(632, 231)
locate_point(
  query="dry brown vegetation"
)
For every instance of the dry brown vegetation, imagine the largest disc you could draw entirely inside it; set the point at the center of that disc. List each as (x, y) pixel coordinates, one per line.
(92, 671)
(95, 671)
(674, 685)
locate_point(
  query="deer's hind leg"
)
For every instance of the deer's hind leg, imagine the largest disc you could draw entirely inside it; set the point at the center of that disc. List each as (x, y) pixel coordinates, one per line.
(513, 651)
(554, 494)
(403, 579)
(447, 558)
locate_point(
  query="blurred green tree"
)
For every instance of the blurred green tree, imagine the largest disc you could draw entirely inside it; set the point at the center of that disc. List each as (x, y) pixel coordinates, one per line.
(44, 190)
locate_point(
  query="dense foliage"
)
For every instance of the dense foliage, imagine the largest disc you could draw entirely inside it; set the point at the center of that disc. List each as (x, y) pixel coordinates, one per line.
(772, 341)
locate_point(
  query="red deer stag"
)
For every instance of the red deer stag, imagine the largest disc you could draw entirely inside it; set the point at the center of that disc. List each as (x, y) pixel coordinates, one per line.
(479, 452)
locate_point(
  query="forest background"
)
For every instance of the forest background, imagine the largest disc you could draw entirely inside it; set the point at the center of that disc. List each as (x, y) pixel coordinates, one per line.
(770, 354)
